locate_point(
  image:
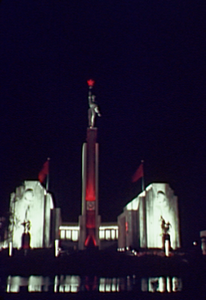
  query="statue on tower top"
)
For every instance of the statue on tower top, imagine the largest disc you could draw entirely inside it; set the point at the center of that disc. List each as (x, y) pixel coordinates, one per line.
(93, 107)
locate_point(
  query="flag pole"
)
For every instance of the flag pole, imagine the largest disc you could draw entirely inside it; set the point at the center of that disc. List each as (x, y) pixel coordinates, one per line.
(47, 178)
(143, 187)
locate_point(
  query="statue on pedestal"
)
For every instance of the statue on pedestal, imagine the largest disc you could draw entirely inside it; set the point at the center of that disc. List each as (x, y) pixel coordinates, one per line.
(93, 107)
(26, 237)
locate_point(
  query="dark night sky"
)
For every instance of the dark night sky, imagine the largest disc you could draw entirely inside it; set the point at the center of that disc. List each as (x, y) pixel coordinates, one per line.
(148, 61)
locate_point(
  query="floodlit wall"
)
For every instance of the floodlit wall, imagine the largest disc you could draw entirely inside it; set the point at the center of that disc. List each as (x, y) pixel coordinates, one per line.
(161, 202)
(140, 225)
(32, 203)
(108, 232)
(121, 220)
(70, 234)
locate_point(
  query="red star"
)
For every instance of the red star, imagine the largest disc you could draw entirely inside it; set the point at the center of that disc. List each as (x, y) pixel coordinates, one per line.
(90, 82)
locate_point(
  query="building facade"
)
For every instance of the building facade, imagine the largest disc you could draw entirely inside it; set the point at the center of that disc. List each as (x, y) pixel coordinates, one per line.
(150, 219)
(30, 216)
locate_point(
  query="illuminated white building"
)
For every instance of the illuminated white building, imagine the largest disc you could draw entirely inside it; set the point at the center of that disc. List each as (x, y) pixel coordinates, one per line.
(139, 226)
(31, 204)
(144, 219)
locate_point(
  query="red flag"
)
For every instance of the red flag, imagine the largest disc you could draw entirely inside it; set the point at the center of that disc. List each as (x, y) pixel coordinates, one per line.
(138, 174)
(44, 172)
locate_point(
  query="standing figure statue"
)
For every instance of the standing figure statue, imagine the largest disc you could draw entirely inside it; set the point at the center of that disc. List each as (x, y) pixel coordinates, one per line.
(165, 231)
(164, 226)
(26, 237)
(93, 107)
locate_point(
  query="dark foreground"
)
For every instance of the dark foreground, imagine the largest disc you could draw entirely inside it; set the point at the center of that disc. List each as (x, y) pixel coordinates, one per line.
(94, 266)
(96, 263)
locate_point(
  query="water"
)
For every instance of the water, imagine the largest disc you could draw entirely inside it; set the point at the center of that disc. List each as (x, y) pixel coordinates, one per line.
(102, 277)
(77, 284)
(47, 286)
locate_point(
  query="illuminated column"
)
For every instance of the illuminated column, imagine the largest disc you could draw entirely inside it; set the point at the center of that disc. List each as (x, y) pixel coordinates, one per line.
(167, 248)
(10, 248)
(89, 220)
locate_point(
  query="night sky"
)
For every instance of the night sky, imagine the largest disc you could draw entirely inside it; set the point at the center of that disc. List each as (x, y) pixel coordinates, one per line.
(148, 62)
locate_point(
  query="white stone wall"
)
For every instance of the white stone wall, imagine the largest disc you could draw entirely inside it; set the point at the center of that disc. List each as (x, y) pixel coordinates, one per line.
(161, 201)
(27, 204)
(158, 201)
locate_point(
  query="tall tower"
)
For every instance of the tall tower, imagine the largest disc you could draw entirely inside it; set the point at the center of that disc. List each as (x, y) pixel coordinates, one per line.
(89, 221)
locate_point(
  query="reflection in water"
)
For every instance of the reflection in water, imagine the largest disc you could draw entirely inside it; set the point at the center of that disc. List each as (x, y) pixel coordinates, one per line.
(109, 285)
(161, 284)
(66, 284)
(32, 283)
(75, 284)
